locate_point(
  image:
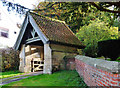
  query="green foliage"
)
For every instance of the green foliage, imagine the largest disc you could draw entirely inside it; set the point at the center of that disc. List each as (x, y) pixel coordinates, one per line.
(75, 14)
(61, 78)
(10, 59)
(91, 50)
(97, 30)
(109, 59)
(116, 23)
(118, 59)
(102, 6)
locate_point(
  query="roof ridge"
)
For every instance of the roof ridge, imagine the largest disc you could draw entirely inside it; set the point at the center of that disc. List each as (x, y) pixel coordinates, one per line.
(48, 17)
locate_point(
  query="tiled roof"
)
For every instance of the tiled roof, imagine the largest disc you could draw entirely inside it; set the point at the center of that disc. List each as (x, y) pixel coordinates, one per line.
(55, 30)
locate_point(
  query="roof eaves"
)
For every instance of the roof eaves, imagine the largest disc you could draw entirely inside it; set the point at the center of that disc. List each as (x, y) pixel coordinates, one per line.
(20, 36)
(73, 34)
(66, 44)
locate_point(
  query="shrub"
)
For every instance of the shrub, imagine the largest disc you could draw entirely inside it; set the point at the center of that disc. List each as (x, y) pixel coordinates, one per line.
(10, 59)
(91, 50)
(109, 48)
(96, 31)
(118, 59)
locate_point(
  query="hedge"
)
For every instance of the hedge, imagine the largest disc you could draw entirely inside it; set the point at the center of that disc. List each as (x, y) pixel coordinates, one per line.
(109, 48)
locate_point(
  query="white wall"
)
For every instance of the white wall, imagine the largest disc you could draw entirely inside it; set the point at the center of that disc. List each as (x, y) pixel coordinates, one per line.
(9, 21)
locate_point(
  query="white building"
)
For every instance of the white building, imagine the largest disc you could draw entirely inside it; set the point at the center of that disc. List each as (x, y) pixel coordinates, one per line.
(9, 21)
(4, 37)
(8, 28)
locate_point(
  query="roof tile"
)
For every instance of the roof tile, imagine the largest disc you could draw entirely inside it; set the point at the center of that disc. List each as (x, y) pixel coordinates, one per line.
(56, 30)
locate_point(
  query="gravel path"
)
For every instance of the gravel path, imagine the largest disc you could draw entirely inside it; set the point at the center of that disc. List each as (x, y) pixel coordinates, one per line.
(17, 78)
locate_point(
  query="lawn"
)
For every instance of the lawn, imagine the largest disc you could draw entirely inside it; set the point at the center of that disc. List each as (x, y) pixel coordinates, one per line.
(9, 74)
(61, 78)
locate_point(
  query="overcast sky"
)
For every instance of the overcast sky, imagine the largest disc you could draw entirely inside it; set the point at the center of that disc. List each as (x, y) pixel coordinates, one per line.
(9, 20)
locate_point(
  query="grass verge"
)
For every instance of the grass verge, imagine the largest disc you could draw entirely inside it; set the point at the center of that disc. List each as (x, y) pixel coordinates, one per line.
(61, 78)
(10, 74)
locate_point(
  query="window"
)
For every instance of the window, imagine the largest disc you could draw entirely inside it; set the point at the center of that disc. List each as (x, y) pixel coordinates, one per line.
(3, 34)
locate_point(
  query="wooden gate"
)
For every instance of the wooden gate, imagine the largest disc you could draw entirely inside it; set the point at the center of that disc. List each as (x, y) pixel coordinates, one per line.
(37, 64)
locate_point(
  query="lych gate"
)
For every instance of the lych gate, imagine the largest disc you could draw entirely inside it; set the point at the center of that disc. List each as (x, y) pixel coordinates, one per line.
(43, 42)
(33, 48)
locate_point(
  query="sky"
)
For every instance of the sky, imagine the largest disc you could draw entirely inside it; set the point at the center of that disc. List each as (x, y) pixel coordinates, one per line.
(10, 19)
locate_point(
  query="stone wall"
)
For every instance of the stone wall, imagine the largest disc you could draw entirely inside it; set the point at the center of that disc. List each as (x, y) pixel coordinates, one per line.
(22, 59)
(70, 62)
(58, 62)
(58, 53)
(47, 69)
(97, 72)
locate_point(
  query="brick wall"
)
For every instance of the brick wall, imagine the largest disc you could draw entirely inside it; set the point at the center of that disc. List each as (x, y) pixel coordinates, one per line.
(97, 72)
(58, 53)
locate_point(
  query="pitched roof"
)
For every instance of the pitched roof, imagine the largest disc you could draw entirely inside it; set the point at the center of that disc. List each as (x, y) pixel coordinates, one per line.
(55, 30)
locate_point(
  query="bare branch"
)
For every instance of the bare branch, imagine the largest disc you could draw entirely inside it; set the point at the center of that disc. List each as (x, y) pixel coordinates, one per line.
(103, 9)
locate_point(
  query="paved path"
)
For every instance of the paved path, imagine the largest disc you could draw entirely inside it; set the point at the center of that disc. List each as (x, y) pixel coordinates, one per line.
(17, 78)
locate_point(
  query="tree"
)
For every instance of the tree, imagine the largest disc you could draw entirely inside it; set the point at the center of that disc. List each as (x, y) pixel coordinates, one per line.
(81, 15)
(68, 12)
(96, 31)
(75, 14)
(15, 7)
(103, 6)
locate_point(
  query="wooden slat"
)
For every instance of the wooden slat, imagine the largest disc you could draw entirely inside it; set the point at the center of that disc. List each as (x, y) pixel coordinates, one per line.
(36, 64)
(32, 40)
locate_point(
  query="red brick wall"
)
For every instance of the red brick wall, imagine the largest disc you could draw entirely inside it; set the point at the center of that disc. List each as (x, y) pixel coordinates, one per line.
(96, 77)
